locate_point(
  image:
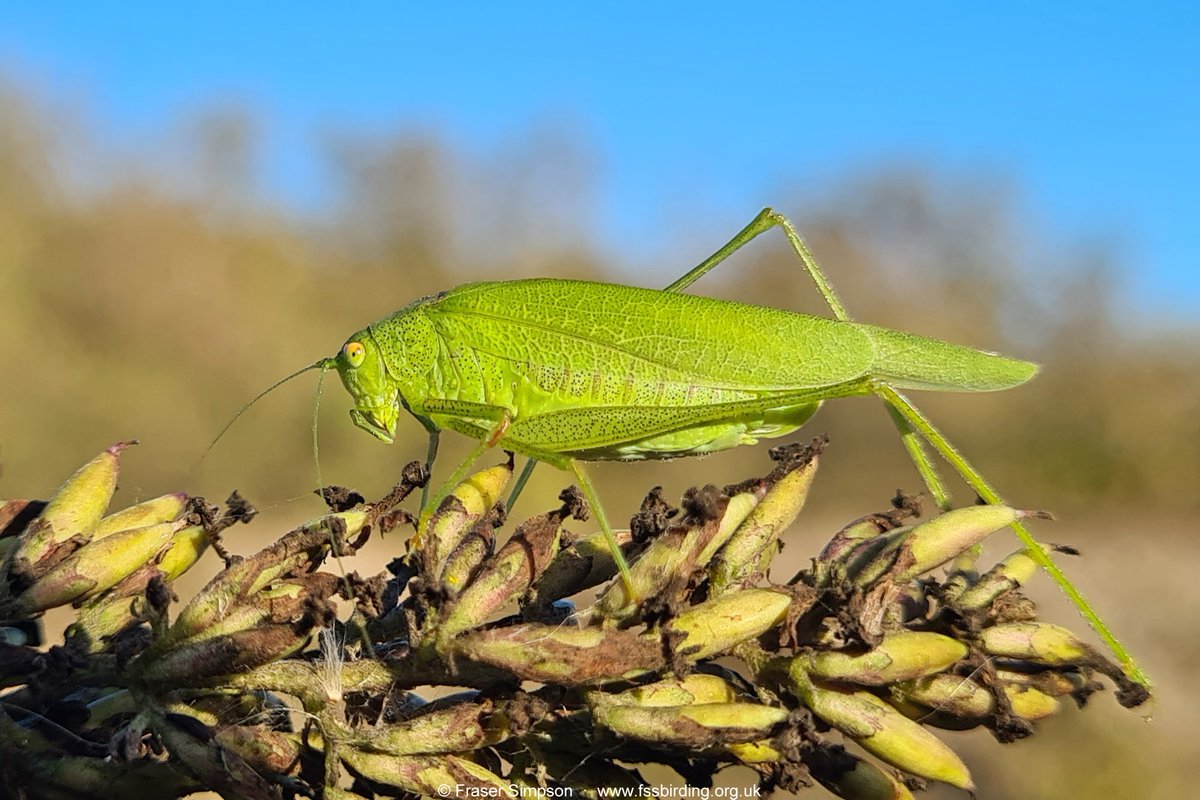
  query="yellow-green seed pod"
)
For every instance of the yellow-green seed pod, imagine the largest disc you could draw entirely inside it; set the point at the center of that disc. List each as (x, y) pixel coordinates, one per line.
(937, 541)
(1031, 703)
(506, 575)
(738, 508)
(882, 730)
(586, 563)
(753, 544)
(1053, 683)
(426, 775)
(718, 624)
(268, 751)
(96, 566)
(760, 752)
(463, 507)
(1040, 642)
(969, 703)
(671, 555)
(862, 781)
(185, 549)
(1014, 571)
(698, 687)
(900, 656)
(102, 618)
(870, 559)
(75, 508)
(353, 521)
(150, 512)
(693, 726)
(464, 562)
(454, 729)
(557, 654)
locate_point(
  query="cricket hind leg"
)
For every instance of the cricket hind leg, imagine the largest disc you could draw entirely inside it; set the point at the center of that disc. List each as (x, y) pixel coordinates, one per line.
(767, 219)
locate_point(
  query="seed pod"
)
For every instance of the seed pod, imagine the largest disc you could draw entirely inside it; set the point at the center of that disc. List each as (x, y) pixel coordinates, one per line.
(454, 729)
(557, 654)
(668, 558)
(718, 624)
(736, 511)
(753, 544)
(463, 507)
(760, 752)
(698, 687)
(900, 656)
(1039, 642)
(1052, 682)
(194, 662)
(426, 775)
(1014, 571)
(937, 541)
(268, 751)
(95, 567)
(585, 563)
(470, 553)
(101, 619)
(505, 576)
(150, 512)
(185, 549)
(73, 510)
(964, 700)
(869, 560)
(193, 743)
(301, 550)
(882, 730)
(855, 778)
(694, 727)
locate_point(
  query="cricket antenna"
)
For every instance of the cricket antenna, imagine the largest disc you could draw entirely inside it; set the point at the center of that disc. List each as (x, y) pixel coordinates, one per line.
(323, 364)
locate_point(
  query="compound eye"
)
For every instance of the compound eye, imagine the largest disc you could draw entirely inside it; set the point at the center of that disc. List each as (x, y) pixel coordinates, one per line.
(354, 353)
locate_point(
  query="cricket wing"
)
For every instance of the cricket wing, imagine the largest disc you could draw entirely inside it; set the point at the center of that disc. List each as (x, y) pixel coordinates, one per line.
(908, 361)
(626, 334)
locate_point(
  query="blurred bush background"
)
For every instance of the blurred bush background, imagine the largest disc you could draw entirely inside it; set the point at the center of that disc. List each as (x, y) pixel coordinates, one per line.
(150, 292)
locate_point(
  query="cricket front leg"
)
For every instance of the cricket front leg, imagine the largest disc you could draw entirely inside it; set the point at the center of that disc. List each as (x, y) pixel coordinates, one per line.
(502, 417)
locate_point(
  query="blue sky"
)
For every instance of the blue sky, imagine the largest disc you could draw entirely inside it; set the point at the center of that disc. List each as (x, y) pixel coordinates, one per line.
(1090, 109)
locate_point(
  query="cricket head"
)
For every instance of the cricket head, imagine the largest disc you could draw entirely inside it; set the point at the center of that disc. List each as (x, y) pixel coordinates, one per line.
(376, 403)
